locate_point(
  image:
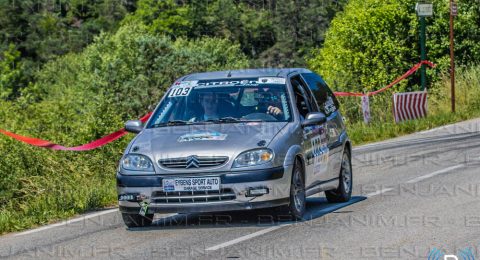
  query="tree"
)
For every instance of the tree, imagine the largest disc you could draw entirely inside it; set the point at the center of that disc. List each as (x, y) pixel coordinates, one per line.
(300, 25)
(10, 73)
(44, 30)
(274, 33)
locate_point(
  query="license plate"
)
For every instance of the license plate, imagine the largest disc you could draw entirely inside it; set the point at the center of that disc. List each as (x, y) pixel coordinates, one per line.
(192, 184)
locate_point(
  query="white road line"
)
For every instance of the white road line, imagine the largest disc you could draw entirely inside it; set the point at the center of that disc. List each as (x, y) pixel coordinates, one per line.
(241, 239)
(430, 175)
(75, 220)
(378, 192)
(66, 222)
(417, 179)
(431, 130)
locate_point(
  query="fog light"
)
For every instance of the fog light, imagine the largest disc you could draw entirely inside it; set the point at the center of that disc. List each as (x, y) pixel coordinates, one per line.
(255, 192)
(131, 197)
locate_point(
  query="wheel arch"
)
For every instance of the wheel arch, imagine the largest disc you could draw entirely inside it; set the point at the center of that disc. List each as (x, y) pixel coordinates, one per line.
(299, 157)
(348, 147)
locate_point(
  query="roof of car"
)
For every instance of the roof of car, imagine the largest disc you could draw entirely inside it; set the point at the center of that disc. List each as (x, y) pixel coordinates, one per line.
(246, 73)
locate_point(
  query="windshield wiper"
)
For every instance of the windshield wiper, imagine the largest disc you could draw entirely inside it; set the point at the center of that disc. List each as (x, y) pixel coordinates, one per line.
(172, 123)
(230, 119)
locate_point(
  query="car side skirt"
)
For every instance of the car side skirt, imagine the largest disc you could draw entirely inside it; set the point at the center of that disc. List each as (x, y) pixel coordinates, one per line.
(323, 186)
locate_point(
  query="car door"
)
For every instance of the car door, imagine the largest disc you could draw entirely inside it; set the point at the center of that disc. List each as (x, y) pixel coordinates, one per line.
(335, 128)
(314, 137)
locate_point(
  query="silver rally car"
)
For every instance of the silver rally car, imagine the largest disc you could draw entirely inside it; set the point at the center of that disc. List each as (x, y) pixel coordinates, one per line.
(236, 140)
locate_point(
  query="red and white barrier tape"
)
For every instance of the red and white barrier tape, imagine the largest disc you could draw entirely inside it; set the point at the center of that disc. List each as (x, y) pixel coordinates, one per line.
(90, 146)
(395, 82)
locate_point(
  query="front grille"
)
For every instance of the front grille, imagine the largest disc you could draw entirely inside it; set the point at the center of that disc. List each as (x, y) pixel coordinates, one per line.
(162, 197)
(193, 162)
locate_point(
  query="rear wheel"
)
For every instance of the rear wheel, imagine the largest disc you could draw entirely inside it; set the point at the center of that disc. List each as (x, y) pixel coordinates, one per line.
(137, 220)
(297, 203)
(344, 191)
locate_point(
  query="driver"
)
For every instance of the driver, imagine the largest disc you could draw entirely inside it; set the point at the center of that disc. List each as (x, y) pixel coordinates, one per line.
(209, 103)
(210, 110)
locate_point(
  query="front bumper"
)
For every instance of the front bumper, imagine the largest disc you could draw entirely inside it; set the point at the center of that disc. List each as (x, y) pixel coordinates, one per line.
(234, 192)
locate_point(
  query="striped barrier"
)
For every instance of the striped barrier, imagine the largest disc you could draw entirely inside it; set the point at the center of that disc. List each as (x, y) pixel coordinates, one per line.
(409, 106)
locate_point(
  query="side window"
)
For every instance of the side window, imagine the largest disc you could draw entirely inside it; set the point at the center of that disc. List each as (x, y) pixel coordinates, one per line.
(327, 101)
(302, 98)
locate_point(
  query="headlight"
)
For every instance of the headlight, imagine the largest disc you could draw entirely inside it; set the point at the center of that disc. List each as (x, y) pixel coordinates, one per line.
(253, 157)
(137, 162)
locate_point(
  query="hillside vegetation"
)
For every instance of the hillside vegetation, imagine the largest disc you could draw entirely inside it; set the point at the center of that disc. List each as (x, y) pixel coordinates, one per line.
(72, 71)
(79, 98)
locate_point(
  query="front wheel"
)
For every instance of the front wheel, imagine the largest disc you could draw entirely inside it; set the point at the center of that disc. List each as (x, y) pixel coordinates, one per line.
(297, 204)
(344, 191)
(137, 220)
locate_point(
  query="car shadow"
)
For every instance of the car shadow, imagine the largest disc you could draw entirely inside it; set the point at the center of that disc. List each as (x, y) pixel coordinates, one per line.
(316, 208)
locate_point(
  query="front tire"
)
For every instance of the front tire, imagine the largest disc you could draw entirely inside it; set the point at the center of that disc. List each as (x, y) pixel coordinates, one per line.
(137, 220)
(297, 203)
(344, 191)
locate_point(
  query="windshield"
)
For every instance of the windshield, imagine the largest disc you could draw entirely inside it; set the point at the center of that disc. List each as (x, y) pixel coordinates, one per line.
(224, 101)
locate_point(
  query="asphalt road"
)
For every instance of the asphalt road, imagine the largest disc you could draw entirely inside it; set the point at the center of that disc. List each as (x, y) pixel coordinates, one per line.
(411, 195)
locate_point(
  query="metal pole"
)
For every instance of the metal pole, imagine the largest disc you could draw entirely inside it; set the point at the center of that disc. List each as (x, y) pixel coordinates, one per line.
(423, 52)
(452, 58)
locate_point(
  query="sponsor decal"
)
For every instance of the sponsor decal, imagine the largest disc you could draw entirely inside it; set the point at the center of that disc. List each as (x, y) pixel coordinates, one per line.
(272, 80)
(320, 156)
(245, 82)
(202, 136)
(168, 185)
(320, 151)
(192, 184)
(330, 106)
(186, 83)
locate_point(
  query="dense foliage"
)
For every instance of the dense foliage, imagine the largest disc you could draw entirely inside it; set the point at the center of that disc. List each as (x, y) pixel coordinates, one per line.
(374, 41)
(81, 97)
(42, 30)
(271, 32)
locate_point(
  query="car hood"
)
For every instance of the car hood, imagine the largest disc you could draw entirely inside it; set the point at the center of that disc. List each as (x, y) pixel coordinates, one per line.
(204, 140)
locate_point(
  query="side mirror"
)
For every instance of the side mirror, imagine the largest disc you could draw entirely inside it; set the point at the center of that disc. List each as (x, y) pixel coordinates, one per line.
(315, 118)
(134, 126)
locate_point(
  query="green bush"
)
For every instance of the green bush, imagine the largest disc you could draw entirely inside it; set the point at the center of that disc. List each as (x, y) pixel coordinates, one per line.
(79, 98)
